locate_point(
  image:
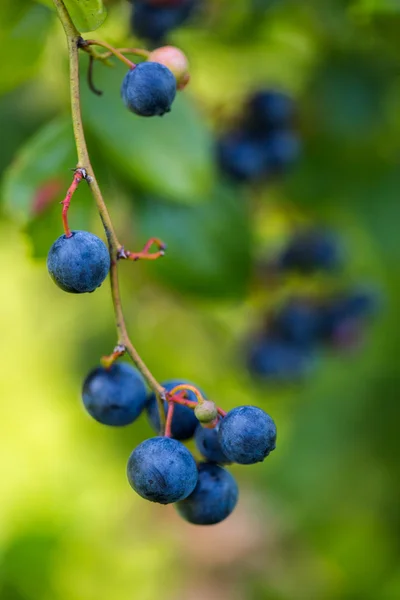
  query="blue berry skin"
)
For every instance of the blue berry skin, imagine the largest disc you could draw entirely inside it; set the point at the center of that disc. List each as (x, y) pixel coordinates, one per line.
(282, 149)
(149, 89)
(241, 158)
(247, 435)
(312, 250)
(153, 21)
(298, 322)
(208, 445)
(279, 361)
(79, 263)
(269, 110)
(162, 470)
(114, 396)
(184, 421)
(213, 499)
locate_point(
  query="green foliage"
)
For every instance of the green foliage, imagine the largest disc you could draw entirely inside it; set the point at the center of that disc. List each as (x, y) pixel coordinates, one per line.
(87, 15)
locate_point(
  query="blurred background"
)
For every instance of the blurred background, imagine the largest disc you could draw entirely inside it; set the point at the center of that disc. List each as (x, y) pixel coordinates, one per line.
(280, 288)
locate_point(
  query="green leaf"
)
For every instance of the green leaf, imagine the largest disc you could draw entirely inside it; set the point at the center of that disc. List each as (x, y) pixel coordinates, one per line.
(37, 181)
(169, 156)
(45, 158)
(23, 32)
(87, 15)
(208, 250)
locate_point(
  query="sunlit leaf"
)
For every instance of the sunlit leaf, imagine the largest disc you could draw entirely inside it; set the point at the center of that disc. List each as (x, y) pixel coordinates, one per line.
(87, 15)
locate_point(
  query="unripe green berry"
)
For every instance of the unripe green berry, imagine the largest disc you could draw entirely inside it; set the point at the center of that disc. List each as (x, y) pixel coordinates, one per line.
(175, 60)
(206, 411)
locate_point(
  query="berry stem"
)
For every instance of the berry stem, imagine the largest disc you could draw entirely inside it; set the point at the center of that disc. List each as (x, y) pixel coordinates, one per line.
(187, 387)
(74, 41)
(170, 414)
(108, 361)
(78, 176)
(111, 50)
(145, 254)
(135, 51)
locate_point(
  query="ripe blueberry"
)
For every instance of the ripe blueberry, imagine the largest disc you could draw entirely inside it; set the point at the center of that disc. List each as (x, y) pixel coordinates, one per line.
(208, 445)
(247, 435)
(162, 470)
(79, 263)
(213, 499)
(114, 396)
(311, 250)
(149, 89)
(184, 421)
(279, 360)
(268, 110)
(153, 20)
(241, 157)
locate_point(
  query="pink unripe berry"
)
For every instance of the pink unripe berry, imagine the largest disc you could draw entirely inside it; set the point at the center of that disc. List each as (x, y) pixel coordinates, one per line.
(206, 411)
(175, 60)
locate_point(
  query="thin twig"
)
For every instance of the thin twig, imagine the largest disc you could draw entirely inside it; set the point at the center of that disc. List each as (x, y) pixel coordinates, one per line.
(74, 41)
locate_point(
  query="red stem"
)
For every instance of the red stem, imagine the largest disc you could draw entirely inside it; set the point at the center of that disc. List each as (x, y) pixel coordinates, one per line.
(145, 254)
(78, 176)
(168, 423)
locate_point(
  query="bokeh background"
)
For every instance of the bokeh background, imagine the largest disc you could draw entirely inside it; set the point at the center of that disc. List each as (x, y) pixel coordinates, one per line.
(320, 518)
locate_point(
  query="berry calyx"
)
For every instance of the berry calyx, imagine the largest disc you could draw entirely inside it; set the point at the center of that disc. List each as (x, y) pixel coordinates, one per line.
(206, 412)
(213, 499)
(175, 60)
(149, 89)
(79, 263)
(247, 435)
(162, 470)
(114, 396)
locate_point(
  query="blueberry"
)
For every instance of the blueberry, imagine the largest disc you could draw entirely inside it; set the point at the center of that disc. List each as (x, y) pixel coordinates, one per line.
(153, 20)
(240, 157)
(282, 149)
(311, 250)
(149, 89)
(268, 110)
(279, 360)
(184, 421)
(213, 499)
(247, 435)
(208, 445)
(298, 322)
(114, 396)
(79, 263)
(162, 470)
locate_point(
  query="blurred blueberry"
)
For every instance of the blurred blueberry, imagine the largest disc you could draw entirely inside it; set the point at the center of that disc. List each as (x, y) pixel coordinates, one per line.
(152, 20)
(279, 360)
(240, 157)
(311, 250)
(298, 322)
(269, 110)
(282, 149)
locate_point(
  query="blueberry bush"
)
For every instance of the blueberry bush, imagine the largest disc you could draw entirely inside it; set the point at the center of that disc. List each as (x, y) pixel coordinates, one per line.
(218, 183)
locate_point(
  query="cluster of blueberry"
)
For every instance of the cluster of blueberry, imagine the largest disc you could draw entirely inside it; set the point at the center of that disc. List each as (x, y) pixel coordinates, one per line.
(152, 20)
(161, 469)
(285, 348)
(264, 143)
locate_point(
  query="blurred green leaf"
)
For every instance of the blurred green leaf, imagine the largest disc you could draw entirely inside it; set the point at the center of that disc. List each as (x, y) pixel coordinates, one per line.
(45, 158)
(23, 30)
(208, 244)
(171, 156)
(87, 15)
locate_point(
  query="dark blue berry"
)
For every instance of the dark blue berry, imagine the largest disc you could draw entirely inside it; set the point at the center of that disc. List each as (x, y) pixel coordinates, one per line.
(213, 499)
(162, 470)
(268, 110)
(184, 421)
(311, 250)
(208, 445)
(241, 158)
(79, 263)
(278, 360)
(153, 20)
(298, 322)
(149, 89)
(282, 149)
(114, 396)
(247, 435)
